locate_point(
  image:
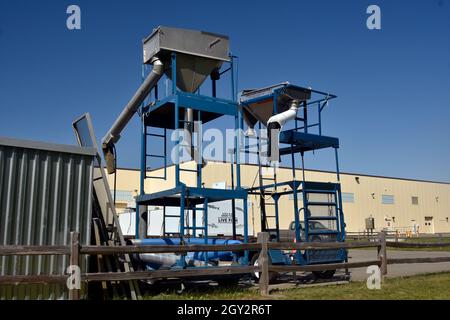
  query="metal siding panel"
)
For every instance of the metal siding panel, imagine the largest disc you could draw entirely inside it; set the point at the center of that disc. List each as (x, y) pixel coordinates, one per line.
(44, 194)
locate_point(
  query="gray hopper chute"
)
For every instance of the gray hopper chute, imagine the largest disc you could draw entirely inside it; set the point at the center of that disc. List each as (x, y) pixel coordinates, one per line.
(198, 54)
(259, 105)
(263, 110)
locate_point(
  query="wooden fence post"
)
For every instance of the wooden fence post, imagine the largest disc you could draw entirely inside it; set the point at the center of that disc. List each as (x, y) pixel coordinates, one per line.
(382, 253)
(74, 294)
(263, 262)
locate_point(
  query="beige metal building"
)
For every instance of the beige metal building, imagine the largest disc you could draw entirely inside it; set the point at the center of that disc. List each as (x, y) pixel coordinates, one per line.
(399, 204)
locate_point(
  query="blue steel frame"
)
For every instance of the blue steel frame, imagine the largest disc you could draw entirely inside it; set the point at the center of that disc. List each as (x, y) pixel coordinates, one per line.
(200, 103)
(314, 142)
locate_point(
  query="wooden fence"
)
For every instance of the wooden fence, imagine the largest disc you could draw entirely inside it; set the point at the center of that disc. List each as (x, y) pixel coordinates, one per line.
(262, 247)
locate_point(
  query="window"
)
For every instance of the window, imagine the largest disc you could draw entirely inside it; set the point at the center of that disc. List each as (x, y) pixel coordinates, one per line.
(415, 200)
(348, 197)
(387, 199)
(123, 195)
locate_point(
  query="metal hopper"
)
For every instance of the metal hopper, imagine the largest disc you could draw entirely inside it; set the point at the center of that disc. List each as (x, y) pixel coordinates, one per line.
(199, 53)
(259, 103)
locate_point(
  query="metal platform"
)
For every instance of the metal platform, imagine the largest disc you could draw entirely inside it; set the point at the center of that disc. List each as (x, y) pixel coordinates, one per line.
(162, 113)
(192, 195)
(311, 186)
(303, 142)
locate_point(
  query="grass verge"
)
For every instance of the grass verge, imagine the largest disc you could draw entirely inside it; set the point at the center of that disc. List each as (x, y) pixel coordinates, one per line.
(429, 286)
(417, 240)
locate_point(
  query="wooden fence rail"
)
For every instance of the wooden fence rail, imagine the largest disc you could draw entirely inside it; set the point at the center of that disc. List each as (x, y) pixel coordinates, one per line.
(75, 250)
(417, 244)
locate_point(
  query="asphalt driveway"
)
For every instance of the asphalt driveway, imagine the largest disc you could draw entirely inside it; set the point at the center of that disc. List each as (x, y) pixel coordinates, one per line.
(399, 270)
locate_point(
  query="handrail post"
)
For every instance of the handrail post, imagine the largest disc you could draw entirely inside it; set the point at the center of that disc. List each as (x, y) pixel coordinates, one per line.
(263, 262)
(74, 294)
(382, 252)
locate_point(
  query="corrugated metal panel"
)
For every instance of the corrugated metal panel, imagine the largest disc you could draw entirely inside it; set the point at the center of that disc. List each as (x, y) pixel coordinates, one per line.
(45, 192)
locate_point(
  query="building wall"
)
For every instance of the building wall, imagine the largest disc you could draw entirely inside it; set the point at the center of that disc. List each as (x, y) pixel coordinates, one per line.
(368, 191)
(45, 193)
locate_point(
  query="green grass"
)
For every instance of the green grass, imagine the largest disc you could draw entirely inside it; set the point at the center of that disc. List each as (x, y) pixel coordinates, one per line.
(430, 286)
(428, 240)
(415, 240)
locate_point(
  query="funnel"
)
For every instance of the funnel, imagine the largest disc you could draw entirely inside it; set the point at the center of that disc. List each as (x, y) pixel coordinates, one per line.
(259, 103)
(198, 53)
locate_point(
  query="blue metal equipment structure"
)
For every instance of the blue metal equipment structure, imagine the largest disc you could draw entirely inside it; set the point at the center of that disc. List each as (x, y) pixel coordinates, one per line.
(169, 113)
(322, 203)
(187, 58)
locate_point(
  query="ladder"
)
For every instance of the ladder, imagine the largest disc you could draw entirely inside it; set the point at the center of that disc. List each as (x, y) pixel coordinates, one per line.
(268, 200)
(327, 212)
(155, 156)
(322, 220)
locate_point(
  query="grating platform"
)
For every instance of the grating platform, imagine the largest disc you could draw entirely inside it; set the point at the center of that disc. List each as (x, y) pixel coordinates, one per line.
(303, 142)
(162, 113)
(193, 195)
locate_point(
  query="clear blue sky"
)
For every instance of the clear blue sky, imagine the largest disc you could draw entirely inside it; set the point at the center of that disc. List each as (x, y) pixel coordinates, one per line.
(393, 110)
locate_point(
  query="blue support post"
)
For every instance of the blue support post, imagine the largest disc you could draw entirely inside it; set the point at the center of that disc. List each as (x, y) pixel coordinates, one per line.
(233, 89)
(182, 261)
(205, 225)
(143, 170)
(305, 200)
(136, 231)
(177, 119)
(276, 197)
(177, 144)
(296, 213)
(143, 155)
(199, 150)
(182, 208)
(320, 118)
(305, 116)
(174, 73)
(237, 127)
(339, 200)
(237, 152)
(165, 153)
(337, 165)
(246, 253)
(194, 222)
(164, 221)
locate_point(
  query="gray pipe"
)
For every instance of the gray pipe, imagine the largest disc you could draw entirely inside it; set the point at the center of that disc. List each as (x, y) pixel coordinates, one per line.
(128, 112)
(189, 127)
(274, 126)
(130, 109)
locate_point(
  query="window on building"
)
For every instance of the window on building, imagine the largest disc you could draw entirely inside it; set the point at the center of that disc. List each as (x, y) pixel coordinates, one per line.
(387, 199)
(348, 197)
(415, 200)
(123, 195)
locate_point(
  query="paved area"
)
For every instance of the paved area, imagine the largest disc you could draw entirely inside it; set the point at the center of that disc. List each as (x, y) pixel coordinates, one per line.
(399, 270)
